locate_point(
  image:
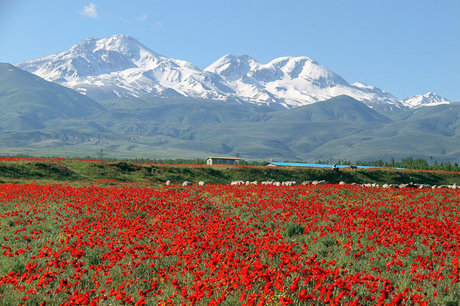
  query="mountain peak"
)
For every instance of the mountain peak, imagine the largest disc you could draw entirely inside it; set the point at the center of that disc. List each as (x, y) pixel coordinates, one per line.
(119, 37)
(243, 57)
(285, 59)
(232, 67)
(230, 59)
(116, 42)
(92, 57)
(124, 44)
(428, 99)
(121, 66)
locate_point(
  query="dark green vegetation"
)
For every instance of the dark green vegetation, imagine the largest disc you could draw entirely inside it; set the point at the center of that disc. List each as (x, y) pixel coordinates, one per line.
(415, 164)
(42, 118)
(77, 170)
(408, 163)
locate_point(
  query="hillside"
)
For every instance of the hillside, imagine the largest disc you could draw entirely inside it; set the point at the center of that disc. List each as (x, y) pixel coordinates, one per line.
(42, 118)
(339, 128)
(27, 102)
(20, 170)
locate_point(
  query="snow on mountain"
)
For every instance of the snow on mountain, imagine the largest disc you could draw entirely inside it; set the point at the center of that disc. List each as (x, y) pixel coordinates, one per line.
(376, 97)
(121, 66)
(291, 81)
(428, 99)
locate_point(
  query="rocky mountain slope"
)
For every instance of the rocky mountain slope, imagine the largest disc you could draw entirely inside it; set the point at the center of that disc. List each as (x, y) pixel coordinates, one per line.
(43, 118)
(428, 99)
(121, 66)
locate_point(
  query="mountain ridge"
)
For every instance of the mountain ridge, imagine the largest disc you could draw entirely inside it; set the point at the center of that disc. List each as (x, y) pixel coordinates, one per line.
(121, 66)
(428, 99)
(41, 118)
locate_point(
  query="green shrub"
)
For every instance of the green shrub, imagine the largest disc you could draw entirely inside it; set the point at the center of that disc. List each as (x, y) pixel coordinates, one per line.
(293, 229)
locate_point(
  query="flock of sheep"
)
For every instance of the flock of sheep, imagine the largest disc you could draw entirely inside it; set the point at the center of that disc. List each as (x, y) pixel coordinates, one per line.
(323, 182)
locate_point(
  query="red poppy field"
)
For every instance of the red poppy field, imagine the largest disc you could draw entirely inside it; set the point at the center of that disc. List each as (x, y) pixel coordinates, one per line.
(257, 244)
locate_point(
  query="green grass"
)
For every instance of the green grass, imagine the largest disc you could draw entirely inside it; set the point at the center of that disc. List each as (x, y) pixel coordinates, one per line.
(51, 217)
(77, 170)
(330, 246)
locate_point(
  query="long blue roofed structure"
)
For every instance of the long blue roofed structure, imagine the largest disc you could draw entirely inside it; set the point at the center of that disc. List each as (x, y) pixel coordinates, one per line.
(322, 165)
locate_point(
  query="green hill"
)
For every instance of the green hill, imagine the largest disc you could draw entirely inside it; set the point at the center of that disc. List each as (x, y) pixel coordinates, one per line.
(42, 118)
(78, 170)
(340, 108)
(27, 102)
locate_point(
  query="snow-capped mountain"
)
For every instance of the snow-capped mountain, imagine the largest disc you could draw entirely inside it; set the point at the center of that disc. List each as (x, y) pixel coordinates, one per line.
(121, 66)
(291, 81)
(428, 99)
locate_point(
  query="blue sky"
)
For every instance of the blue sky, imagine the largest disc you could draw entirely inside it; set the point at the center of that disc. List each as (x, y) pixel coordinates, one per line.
(407, 47)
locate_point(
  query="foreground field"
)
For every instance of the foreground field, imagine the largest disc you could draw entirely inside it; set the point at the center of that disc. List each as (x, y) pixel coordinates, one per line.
(138, 244)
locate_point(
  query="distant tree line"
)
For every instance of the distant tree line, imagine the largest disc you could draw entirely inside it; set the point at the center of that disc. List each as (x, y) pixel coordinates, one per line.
(409, 163)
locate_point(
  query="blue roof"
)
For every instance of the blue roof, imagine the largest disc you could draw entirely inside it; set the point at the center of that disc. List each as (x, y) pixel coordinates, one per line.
(322, 165)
